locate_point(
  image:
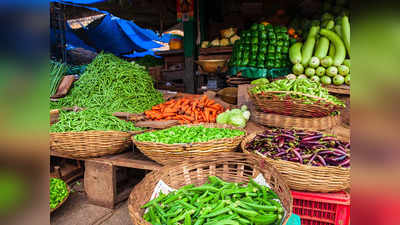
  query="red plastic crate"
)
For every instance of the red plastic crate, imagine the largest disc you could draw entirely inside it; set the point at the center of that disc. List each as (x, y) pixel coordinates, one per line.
(322, 208)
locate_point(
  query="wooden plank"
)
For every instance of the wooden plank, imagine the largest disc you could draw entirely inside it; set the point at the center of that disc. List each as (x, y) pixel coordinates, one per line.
(189, 79)
(243, 96)
(216, 50)
(100, 183)
(170, 52)
(157, 124)
(129, 159)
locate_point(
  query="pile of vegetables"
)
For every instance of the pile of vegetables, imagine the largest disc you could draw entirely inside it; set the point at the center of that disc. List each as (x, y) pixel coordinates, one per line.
(298, 85)
(228, 38)
(186, 110)
(57, 71)
(305, 147)
(216, 203)
(58, 192)
(263, 46)
(90, 119)
(325, 54)
(184, 134)
(114, 85)
(235, 117)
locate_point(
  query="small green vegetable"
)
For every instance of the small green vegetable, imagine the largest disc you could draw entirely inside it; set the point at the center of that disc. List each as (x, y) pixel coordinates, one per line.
(58, 192)
(184, 134)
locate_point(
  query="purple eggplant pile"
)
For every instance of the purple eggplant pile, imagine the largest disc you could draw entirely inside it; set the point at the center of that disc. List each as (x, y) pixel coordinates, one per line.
(305, 147)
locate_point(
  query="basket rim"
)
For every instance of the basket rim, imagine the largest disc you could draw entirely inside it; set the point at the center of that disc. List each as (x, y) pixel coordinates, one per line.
(193, 143)
(251, 136)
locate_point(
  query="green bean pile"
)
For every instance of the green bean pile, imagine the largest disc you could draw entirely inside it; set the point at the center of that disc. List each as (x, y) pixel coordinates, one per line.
(112, 84)
(298, 85)
(90, 119)
(183, 134)
(216, 203)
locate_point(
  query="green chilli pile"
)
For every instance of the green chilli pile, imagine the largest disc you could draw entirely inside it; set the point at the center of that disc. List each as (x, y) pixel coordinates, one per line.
(216, 203)
(58, 192)
(298, 85)
(112, 84)
(184, 134)
(90, 119)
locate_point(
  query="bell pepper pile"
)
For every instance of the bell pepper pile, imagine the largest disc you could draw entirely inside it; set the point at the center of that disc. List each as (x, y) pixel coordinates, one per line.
(58, 192)
(187, 110)
(216, 202)
(263, 46)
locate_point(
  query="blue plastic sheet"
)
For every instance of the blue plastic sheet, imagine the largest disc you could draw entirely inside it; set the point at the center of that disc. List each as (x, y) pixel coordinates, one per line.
(118, 36)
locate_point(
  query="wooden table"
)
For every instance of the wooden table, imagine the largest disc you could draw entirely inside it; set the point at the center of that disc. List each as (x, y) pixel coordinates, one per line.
(100, 177)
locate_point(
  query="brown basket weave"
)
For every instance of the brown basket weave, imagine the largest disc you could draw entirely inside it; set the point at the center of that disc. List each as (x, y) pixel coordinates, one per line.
(276, 120)
(86, 144)
(231, 167)
(269, 102)
(172, 153)
(63, 201)
(304, 177)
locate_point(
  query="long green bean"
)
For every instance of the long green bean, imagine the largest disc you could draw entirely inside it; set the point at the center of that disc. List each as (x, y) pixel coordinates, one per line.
(114, 85)
(90, 119)
(298, 85)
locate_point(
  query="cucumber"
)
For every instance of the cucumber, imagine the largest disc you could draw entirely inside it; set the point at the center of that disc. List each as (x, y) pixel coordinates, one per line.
(332, 51)
(295, 52)
(346, 33)
(322, 48)
(340, 50)
(308, 47)
(330, 25)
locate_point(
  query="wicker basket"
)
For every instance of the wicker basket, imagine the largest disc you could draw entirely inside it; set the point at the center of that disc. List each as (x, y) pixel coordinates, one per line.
(63, 201)
(86, 144)
(276, 120)
(306, 178)
(172, 153)
(270, 103)
(231, 167)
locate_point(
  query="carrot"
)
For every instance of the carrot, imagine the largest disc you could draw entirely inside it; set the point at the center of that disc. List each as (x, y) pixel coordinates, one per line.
(210, 102)
(203, 99)
(214, 107)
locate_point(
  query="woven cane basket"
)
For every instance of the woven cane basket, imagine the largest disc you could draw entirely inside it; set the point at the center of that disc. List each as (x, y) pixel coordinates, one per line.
(304, 177)
(231, 167)
(276, 120)
(269, 102)
(86, 144)
(63, 201)
(172, 153)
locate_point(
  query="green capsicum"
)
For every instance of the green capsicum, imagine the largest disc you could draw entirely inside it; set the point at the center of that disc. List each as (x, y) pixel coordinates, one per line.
(271, 49)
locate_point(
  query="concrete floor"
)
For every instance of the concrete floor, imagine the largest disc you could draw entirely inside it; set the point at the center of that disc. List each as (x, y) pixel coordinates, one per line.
(77, 211)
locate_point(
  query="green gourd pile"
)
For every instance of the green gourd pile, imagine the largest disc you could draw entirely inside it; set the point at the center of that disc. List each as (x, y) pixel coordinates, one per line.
(325, 54)
(263, 46)
(114, 85)
(216, 203)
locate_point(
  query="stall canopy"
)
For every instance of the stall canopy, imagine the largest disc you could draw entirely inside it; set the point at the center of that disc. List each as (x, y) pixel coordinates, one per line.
(113, 34)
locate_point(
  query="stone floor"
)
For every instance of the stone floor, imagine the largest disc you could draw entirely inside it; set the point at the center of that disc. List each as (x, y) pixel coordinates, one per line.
(77, 211)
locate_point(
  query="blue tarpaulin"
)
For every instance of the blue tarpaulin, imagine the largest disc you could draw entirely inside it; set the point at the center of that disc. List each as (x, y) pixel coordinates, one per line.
(118, 36)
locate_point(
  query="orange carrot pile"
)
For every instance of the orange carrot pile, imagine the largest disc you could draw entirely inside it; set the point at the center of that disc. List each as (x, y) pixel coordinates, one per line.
(187, 110)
